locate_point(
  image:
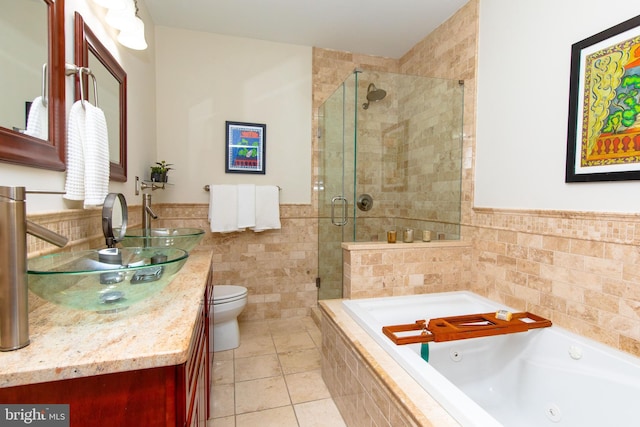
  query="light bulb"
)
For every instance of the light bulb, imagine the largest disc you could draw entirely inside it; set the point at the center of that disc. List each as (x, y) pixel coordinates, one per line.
(119, 18)
(133, 37)
(111, 4)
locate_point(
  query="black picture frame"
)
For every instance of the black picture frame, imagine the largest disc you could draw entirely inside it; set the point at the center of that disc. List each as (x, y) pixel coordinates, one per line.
(603, 144)
(245, 147)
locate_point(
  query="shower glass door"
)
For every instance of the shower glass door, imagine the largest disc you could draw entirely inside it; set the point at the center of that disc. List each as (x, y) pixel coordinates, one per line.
(336, 142)
(395, 140)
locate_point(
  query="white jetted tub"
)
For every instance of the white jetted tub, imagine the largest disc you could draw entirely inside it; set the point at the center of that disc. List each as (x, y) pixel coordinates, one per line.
(542, 377)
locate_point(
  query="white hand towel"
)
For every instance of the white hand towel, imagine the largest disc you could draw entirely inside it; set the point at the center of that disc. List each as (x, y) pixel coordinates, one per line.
(38, 120)
(267, 208)
(74, 185)
(246, 205)
(223, 208)
(96, 157)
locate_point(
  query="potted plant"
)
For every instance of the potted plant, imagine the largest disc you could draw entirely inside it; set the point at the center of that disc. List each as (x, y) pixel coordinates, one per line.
(159, 171)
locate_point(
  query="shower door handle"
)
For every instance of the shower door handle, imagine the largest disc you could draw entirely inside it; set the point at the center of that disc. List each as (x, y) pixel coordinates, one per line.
(345, 207)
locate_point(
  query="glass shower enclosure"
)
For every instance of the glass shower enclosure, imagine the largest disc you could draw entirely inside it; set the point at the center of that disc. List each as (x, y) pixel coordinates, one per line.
(390, 158)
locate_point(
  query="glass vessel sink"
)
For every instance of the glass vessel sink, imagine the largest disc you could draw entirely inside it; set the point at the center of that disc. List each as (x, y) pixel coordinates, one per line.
(181, 238)
(104, 280)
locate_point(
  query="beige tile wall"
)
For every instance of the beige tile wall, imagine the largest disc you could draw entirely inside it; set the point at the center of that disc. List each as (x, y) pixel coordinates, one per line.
(83, 228)
(278, 267)
(383, 270)
(357, 390)
(581, 270)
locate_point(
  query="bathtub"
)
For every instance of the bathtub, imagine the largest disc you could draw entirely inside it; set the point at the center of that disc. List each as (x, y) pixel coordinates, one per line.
(543, 377)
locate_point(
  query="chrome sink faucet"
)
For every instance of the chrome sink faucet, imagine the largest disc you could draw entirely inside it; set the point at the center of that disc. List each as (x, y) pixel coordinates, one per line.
(14, 289)
(147, 214)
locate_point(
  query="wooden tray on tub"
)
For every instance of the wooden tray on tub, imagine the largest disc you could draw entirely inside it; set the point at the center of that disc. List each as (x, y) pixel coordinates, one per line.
(466, 326)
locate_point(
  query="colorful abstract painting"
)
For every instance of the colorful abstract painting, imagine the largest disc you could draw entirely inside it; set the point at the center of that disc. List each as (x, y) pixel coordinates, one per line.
(604, 126)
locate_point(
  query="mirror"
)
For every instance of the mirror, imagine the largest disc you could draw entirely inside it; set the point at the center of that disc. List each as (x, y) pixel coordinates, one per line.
(111, 91)
(32, 65)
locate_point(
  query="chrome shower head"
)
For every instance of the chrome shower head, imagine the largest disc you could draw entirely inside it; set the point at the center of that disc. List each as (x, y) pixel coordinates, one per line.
(373, 94)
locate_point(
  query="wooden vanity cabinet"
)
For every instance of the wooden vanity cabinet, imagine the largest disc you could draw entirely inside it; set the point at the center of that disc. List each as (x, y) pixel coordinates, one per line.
(164, 396)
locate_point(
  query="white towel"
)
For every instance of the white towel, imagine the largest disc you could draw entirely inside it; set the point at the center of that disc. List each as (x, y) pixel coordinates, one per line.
(223, 208)
(267, 208)
(87, 155)
(246, 205)
(96, 157)
(74, 185)
(38, 120)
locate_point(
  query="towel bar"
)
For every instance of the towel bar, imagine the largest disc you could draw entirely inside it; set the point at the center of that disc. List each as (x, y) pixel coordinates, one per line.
(71, 69)
(206, 187)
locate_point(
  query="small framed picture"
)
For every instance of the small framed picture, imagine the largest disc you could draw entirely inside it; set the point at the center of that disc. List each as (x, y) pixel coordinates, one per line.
(245, 147)
(603, 141)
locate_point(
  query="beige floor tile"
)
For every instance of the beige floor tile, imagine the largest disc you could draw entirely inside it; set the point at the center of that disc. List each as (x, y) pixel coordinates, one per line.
(222, 372)
(316, 336)
(306, 386)
(277, 417)
(277, 363)
(223, 397)
(295, 341)
(319, 413)
(252, 368)
(287, 326)
(256, 346)
(223, 355)
(309, 324)
(257, 395)
(300, 361)
(253, 328)
(222, 422)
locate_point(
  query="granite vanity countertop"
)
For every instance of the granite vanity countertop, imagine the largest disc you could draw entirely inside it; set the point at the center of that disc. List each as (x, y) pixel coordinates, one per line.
(67, 343)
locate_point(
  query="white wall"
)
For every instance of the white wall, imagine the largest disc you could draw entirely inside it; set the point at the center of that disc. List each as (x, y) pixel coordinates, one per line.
(140, 68)
(523, 86)
(205, 79)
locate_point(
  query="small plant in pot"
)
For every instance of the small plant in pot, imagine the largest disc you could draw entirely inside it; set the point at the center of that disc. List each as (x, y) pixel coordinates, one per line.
(160, 170)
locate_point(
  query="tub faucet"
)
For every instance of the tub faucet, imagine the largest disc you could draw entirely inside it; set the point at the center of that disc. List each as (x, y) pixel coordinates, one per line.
(147, 214)
(14, 289)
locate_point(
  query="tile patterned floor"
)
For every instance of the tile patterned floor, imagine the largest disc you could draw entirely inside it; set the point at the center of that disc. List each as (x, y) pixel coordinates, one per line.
(273, 378)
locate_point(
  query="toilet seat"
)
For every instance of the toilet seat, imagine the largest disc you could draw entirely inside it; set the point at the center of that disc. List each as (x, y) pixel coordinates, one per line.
(228, 293)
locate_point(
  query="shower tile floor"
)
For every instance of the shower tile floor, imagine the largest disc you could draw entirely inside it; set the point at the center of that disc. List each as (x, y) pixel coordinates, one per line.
(273, 378)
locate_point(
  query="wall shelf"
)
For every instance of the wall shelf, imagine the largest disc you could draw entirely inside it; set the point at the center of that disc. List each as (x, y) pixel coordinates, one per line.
(144, 184)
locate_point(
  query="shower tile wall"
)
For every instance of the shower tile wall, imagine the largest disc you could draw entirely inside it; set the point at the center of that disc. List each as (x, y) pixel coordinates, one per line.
(379, 156)
(409, 155)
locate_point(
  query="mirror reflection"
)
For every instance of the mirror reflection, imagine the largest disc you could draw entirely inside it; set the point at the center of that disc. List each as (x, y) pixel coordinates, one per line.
(108, 94)
(32, 69)
(111, 81)
(23, 53)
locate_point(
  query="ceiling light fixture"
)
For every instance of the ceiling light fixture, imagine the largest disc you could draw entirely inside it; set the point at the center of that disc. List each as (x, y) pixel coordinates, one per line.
(123, 16)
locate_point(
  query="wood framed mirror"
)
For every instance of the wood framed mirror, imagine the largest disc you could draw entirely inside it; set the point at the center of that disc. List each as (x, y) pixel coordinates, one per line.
(32, 52)
(111, 80)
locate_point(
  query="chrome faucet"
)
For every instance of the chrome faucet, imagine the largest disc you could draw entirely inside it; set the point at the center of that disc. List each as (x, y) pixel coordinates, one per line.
(147, 214)
(14, 289)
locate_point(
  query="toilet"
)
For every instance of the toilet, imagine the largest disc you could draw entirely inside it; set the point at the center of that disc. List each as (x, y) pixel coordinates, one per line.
(228, 303)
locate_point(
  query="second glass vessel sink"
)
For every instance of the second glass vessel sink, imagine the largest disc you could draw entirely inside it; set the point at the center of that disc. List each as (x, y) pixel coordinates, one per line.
(182, 238)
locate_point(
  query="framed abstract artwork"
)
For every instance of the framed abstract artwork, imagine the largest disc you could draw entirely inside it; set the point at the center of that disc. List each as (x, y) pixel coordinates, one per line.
(603, 138)
(245, 147)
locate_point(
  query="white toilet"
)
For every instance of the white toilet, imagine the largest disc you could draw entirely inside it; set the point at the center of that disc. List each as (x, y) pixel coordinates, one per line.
(228, 303)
